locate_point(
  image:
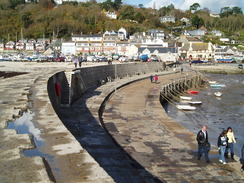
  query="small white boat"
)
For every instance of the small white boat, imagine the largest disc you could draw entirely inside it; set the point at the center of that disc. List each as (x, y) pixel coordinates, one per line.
(212, 82)
(195, 102)
(218, 94)
(218, 85)
(186, 107)
(185, 98)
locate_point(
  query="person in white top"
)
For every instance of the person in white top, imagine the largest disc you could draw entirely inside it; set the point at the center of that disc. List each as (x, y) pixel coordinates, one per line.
(231, 141)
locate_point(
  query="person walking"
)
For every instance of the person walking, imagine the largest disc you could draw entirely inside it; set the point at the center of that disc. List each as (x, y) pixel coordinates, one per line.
(80, 59)
(156, 79)
(203, 144)
(151, 78)
(75, 60)
(231, 141)
(242, 158)
(222, 144)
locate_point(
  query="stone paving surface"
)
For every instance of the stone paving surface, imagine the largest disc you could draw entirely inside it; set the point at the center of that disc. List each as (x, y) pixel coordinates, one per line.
(136, 120)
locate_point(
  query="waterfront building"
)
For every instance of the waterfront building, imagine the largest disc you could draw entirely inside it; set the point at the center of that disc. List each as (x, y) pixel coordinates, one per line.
(10, 45)
(166, 54)
(122, 47)
(68, 48)
(197, 51)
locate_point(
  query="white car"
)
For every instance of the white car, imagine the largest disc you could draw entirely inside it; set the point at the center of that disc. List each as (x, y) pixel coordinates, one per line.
(91, 58)
(124, 59)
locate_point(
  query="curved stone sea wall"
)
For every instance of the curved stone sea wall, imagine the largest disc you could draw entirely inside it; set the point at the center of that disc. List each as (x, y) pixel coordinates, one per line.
(73, 84)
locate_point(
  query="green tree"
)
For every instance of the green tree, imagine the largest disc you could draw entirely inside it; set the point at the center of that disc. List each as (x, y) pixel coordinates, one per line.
(197, 21)
(225, 12)
(236, 10)
(141, 6)
(117, 4)
(195, 6)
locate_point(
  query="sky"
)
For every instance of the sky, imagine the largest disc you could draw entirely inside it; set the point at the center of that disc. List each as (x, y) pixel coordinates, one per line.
(213, 5)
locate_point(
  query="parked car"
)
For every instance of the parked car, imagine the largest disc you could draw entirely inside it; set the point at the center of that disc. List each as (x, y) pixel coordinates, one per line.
(144, 58)
(124, 59)
(91, 58)
(60, 59)
(115, 56)
(240, 66)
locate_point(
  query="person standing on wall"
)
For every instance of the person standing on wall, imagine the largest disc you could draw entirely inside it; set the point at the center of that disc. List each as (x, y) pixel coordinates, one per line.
(151, 78)
(222, 144)
(156, 79)
(203, 144)
(231, 141)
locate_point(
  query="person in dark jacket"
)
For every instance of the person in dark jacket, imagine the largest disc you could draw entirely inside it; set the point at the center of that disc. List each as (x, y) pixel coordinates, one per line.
(222, 144)
(203, 144)
(242, 158)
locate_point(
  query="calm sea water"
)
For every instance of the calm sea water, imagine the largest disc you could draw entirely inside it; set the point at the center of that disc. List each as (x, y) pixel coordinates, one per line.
(216, 113)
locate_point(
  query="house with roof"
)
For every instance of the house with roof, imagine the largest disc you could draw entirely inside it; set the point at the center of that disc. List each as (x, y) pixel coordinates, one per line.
(185, 20)
(166, 54)
(197, 51)
(157, 34)
(122, 33)
(217, 33)
(111, 15)
(165, 19)
(20, 45)
(10, 45)
(88, 43)
(122, 47)
(30, 45)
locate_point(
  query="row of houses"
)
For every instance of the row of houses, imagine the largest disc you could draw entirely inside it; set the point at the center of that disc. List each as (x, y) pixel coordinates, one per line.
(154, 42)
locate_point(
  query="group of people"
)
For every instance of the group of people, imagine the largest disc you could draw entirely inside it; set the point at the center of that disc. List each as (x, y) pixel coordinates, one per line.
(154, 79)
(225, 145)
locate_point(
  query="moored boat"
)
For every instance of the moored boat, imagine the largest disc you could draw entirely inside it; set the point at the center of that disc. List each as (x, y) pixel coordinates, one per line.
(185, 98)
(193, 92)
(212, 82)
(218, 94)
(195, 102)
(218, 85)
(186, 107)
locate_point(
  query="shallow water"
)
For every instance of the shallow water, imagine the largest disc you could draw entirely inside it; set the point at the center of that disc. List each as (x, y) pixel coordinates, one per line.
(217, 113)
(25, 125)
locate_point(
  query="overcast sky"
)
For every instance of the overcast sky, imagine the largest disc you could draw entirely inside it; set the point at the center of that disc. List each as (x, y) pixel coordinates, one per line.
(213, 5)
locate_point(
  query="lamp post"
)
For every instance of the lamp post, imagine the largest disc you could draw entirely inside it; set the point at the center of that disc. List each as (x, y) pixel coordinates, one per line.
(115, 75)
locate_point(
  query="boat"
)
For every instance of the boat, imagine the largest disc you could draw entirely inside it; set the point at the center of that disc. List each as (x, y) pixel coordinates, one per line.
(195, 102)
(218, 85)
(218, 94)
(192, 92)
(186, 107)
(212, 82)
(185, 98)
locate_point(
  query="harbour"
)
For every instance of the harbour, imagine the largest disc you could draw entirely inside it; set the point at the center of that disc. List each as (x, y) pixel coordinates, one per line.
(217, 113)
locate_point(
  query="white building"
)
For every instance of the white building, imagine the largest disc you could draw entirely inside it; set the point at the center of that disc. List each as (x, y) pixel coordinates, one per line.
(68, 48)
(167, 19)
(111, 15)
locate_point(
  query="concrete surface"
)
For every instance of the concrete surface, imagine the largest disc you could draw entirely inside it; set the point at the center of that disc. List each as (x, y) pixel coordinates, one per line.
(159, 150)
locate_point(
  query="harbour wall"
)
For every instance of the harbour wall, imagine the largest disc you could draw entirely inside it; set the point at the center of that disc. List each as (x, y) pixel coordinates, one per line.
(66, 87)
(180, 85)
